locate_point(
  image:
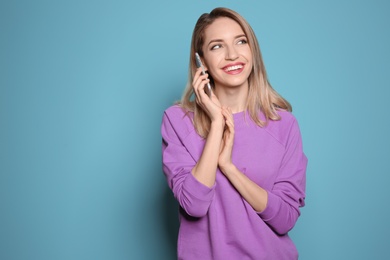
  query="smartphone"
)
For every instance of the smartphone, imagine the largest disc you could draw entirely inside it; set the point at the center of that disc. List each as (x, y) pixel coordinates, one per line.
(199, 64)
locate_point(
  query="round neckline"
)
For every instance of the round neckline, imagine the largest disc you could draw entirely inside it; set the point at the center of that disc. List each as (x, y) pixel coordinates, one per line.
(238, 113)
(240, 117)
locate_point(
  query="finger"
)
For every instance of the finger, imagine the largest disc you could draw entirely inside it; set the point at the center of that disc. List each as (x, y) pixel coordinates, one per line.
(196, 78)
(230, 112)
(199, 81)
(198, 74)
(198, 86)
(229, 124)
(229, 127)
(228, 115)
(199, 90)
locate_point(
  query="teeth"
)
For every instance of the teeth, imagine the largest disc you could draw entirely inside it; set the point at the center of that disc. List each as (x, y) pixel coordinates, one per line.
(236, 67)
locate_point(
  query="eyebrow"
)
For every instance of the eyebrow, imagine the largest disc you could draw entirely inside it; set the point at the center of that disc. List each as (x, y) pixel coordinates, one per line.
(220, 40)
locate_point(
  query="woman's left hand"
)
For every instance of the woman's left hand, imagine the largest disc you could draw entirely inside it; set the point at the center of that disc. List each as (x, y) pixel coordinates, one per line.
(225, 156)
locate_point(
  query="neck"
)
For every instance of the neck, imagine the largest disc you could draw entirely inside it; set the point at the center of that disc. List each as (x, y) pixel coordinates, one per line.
(235, 98)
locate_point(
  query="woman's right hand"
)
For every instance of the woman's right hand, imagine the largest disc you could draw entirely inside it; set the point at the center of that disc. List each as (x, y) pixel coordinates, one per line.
(210, 105)
(206, 167)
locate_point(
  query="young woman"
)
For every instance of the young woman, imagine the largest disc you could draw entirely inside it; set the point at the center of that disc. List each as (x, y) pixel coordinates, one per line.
(234, 160)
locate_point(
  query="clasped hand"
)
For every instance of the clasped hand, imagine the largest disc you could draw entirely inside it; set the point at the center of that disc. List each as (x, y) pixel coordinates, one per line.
(219, 115)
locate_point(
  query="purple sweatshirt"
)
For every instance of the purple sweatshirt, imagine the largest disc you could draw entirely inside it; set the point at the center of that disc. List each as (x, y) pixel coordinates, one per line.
(217, 223)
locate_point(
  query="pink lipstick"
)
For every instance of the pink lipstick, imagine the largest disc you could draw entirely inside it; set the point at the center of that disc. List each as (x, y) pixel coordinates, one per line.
(234, 68)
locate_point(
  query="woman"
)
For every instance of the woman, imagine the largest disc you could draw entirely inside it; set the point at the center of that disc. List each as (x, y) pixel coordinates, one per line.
(234, 160)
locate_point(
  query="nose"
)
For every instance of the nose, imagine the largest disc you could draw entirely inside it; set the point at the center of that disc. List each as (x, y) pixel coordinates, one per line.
(231, 53)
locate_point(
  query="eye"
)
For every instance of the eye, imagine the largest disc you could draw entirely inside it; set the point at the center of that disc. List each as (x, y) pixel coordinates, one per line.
(217, 46)
(242, 41)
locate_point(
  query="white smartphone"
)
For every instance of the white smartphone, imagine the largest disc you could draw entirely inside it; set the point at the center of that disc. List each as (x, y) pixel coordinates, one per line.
(207, 89)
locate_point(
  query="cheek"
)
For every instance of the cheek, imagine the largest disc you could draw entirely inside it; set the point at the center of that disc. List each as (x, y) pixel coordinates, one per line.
(213, 73)
(212, 67)
(248, 54)
(250, 63)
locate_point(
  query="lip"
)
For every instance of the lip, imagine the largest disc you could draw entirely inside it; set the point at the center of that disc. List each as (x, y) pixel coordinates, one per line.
(235, 71)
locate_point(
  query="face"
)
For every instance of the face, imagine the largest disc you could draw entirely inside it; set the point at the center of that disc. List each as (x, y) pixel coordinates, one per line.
(227, 55)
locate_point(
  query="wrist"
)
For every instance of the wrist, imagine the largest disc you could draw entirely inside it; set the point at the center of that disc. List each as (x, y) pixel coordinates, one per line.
(227, 168)
(217, 124)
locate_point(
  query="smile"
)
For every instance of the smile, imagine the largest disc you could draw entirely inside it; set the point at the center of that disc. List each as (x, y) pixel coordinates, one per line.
(233, 68)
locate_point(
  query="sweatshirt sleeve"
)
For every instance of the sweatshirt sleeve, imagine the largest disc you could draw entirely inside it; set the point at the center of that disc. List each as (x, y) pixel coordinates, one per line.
(288, 192)
(194, 197)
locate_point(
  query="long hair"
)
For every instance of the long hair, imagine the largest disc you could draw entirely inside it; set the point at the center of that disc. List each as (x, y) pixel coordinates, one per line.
(261, 95)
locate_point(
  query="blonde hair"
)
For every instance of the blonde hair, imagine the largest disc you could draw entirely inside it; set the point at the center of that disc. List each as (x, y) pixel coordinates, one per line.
(261, 95)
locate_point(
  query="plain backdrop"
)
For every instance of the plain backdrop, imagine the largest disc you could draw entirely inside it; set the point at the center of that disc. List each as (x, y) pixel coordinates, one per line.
(83, 85)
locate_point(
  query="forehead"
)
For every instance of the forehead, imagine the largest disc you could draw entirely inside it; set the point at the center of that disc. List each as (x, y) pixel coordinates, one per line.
(223, 28)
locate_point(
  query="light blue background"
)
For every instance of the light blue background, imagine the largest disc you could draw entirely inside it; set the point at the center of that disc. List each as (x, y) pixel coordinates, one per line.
(83, 85)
